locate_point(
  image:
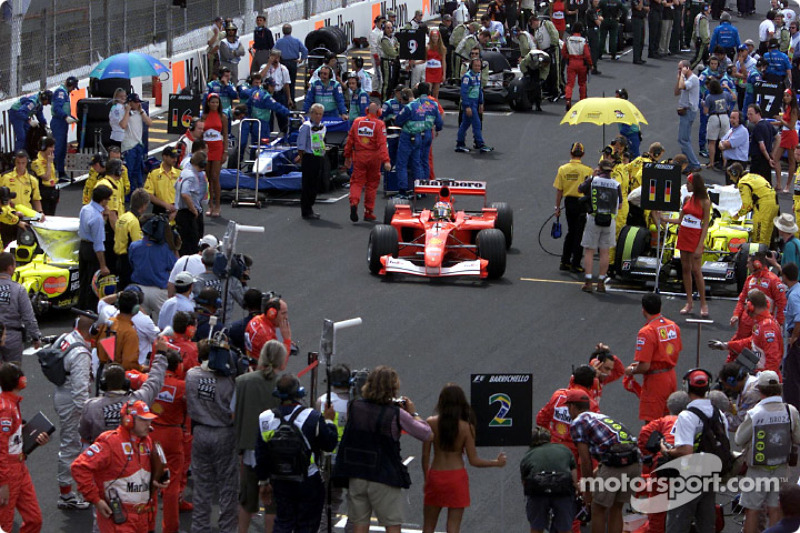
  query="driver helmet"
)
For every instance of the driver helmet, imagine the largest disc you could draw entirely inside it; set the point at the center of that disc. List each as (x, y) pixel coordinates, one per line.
(104, 285)
(442, 211)
(622, 93)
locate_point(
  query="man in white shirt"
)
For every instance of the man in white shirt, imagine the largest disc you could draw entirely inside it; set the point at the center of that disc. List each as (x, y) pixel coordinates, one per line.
(115, 115)
(461, 14)
(133, 150)
(182, 301)
(283, 84)
(374, 39)
(193, 264)
(766, 31)
(686, 429)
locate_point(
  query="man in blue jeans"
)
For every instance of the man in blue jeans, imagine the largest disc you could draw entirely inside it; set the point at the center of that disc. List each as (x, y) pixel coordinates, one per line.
(133, 122)
(472, 104)
(687, 88)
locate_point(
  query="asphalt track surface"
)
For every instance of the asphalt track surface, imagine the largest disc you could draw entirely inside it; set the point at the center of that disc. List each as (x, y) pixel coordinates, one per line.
(534, 320)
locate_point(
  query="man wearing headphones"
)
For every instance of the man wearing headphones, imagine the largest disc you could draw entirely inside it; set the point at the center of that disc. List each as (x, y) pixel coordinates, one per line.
(740, 386)
(68, 400)
(146, 329)
(687, 429)
(117, 470)
(762, 279)
(16, 487)
(327, 92)
(608, 366)
(299, 503)
(658, 346)
(359, 98)
(184, 326)
(126, 340)
(101, 413)
(193, 133)
(253, 397)
(207, 304)
(759, 197)
(275, 315)
(215, 466)
(765, 339)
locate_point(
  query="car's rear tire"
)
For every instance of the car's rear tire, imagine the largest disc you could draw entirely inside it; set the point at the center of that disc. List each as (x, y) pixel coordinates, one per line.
(391, 207)
(504, 221)
(382, 241)
(633, 241)
(492, 247)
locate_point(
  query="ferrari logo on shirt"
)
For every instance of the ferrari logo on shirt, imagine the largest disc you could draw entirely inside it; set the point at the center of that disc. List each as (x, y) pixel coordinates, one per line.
(667, 333)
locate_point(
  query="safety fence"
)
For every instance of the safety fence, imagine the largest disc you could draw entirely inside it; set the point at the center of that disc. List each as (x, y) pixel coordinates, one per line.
(54, 39)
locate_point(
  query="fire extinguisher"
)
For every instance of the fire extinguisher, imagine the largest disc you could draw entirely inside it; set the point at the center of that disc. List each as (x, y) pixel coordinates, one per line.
(157, 90)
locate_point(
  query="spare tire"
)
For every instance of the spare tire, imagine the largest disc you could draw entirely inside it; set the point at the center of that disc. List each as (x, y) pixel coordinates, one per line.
(633, 241)
(331, 37)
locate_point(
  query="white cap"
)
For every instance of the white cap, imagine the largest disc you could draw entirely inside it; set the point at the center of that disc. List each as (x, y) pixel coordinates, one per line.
(208, 241)
(768, 377)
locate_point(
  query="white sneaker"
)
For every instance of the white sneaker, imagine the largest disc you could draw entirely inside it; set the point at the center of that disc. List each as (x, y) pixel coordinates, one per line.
(72, 502)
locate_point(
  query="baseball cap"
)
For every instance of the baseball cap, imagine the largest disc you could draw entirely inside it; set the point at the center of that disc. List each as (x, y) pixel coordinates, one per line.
(208, 241)
(607, 150)
(742, 47)
(418, 12)
(184, 279)
(269, 80)
(141, 410)
(577, 148)
(767, 377)
(447, 17)
(169, 151)
(391, 14)
(133, 97)
(7, 194)
(98, 158)
(698, 378)
(750, 42)
(576, 396)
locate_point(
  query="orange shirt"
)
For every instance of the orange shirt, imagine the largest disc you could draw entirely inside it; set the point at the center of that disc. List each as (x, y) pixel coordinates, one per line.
(170, 404)
(126, 346)
(659, 343)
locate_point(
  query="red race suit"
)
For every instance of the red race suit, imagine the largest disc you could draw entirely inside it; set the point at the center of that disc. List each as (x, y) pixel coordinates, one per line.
(775, 291)
(765, 340)
(366, 146)
(259, 331)
(657, 521)
(579, 60)
(658, 343)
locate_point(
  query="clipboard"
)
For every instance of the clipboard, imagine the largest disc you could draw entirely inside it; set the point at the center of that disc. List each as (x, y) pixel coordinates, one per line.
(36, 426)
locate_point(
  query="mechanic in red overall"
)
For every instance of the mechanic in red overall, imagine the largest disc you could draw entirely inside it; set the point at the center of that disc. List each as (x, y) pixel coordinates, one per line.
(118, 467)
(16, 487)
(658, 346)
(677, 402)
(366, 148)
(609, 368)
(168, 428)
(184, 326)
(554, 416)
(765, 338)
(262, 328)
(579, 60)
(763, 279)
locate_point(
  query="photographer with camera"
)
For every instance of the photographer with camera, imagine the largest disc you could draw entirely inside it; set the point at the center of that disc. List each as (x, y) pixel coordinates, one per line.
(254, 396)
(650, 438)
(262, 328)
(213, 278)
(287, 458)
(374, 427)
(209, 396)
(789, 243)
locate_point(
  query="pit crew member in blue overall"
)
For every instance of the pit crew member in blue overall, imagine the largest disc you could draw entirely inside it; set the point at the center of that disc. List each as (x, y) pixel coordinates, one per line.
(328, 92)
(472, 104)
(245, 90)
(261, 105)
(359, 98)
(225, 89)
(418, 119)
(725, 35)
(22, 116)
(389, 111)
(62, 118)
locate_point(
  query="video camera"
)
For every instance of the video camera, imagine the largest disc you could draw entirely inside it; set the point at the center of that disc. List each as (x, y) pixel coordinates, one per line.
(236, 269)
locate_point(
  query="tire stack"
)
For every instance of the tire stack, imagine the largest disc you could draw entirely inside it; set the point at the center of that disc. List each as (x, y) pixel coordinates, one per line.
(331, 38)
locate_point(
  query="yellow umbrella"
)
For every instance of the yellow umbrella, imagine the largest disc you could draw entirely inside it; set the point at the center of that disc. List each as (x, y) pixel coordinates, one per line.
(602, 111)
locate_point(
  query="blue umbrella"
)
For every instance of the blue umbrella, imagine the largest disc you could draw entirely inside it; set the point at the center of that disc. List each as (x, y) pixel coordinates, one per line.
(128, 65)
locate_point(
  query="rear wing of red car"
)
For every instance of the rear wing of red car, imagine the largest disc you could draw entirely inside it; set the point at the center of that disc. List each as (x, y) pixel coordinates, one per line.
(448, 187)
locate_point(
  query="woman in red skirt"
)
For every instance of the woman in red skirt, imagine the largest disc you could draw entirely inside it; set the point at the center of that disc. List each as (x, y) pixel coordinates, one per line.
(446, 480)
(434, 68)
(216, 137)
(788, 134)
(693, 226)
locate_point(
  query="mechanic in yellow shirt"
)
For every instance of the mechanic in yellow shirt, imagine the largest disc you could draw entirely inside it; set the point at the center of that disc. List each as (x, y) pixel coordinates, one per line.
(759, 197)
(568, 178)
(23, 183)
(8, 215)
(160, 183)
(97, 169)
(45, 170)
(115, 153)
(127, 231)
(652, 155)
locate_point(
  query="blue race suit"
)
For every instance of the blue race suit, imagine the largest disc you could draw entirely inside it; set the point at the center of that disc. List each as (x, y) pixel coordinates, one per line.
(60, 109)
(725, 35)
(418, 120)
(20, 113)
(330, 96)
(631, 132)
(472, 97)
(260, 106)
(359, 102)
(753, 75)
(244, 90)
(227, 94)
(391, 108)
(779, 63)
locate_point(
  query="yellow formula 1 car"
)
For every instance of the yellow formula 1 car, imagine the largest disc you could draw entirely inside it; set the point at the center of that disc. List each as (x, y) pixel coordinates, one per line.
(47, 261)
(724, 258)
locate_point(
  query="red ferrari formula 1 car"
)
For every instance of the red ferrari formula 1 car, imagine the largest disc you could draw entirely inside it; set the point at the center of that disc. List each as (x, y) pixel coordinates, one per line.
(442, 242)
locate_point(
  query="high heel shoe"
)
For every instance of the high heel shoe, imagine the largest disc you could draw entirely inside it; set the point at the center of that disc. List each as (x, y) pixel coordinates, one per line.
(686, 309)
